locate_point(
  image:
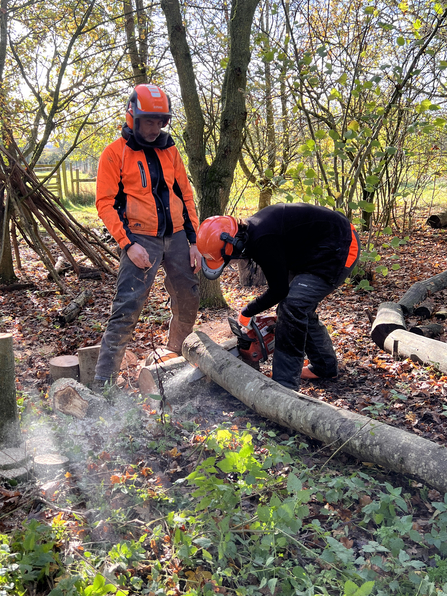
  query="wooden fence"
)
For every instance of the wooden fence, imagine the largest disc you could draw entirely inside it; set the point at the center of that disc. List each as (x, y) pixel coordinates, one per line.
(58, 184)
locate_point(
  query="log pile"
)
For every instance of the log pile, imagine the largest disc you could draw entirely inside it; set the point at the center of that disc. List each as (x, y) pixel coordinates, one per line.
(389, 330)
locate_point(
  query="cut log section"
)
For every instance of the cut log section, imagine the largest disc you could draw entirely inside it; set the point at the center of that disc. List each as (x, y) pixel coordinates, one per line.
(438, 220)
(360, 436)
(389, 317)
(146, 382)
(72, 310)
(425, 309)
(88, 358)
(441, 313)
(50, 465)
(431, 330)
(73, 399)
(419, 291)
(418, 348)
(64, 367)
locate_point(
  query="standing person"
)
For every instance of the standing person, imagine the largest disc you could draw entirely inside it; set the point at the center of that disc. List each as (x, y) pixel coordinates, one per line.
(144, 198)
(305, 252)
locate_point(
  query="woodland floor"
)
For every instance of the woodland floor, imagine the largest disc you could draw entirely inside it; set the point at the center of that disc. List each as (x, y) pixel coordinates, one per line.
(400, 393)
(128, 442)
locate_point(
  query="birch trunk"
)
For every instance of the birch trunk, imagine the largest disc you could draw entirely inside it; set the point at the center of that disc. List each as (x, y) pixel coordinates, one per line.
(360, 436)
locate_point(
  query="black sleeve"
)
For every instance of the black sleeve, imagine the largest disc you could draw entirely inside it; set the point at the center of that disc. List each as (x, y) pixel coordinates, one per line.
(187, 225)
(269, 256)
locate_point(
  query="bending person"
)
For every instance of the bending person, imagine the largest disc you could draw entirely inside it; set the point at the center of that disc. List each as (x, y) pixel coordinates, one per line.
(305, 252)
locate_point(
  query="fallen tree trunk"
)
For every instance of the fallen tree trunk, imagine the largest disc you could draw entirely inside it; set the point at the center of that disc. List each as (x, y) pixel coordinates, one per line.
(439, 220)
(360, 436)
(420, 290)
(418, 348)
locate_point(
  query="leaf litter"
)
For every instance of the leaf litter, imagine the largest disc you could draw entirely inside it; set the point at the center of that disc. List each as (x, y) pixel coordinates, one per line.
(125, 465)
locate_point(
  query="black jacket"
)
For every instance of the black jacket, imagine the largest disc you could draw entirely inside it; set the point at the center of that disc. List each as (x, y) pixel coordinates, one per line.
(295, 238)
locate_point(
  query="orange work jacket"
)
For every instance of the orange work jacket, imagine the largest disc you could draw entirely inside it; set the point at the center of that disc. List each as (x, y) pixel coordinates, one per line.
(124, 198)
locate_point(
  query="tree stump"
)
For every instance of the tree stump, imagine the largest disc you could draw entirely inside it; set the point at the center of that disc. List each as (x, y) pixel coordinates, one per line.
(49, 465)
(10, 435)
(88, 358)
(64, 367)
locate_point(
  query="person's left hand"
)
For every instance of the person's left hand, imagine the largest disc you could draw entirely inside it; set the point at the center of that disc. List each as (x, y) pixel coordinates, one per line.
(195, 258)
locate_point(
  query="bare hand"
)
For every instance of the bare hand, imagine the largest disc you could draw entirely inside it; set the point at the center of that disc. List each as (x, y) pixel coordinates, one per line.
(195, 258)
(139, 256)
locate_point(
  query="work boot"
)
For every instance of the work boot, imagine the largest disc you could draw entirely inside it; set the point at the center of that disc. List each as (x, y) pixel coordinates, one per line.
(308, 375)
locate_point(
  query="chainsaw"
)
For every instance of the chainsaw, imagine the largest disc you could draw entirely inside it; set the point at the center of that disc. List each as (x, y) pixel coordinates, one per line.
(257, 343)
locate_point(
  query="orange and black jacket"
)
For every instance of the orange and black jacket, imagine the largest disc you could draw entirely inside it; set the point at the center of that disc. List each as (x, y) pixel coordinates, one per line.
(144, 190)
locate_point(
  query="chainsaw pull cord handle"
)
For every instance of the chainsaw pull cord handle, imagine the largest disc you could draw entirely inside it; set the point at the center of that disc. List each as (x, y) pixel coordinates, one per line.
(261, 341)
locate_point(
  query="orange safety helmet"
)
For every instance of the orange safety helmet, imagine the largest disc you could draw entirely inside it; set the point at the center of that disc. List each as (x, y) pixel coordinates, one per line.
(216, 242)
(148, 101)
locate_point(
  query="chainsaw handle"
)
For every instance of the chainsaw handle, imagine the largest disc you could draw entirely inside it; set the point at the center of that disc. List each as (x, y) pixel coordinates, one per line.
(261, 341)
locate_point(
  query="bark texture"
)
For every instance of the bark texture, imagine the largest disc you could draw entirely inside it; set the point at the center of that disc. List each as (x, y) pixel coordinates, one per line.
(420, 290)
(389, 317)
(360, 436)
(418, 348)
(9, 420)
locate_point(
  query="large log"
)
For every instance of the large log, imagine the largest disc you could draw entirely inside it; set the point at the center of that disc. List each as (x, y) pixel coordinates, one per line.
(420, 290)
(360, 436)
(418, 348)
(438, 220)
(389, 317)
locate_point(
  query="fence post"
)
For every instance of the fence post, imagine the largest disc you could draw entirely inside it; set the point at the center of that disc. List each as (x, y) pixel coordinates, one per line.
(64, 178)
(71, 178)
(77, 181)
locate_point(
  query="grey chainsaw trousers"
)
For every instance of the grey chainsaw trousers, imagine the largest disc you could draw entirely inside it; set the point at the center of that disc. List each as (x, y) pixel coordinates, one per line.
(300, 333)
(133, 287)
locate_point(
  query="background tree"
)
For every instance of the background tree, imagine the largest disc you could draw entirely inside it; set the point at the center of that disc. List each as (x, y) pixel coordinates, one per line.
(213, 179)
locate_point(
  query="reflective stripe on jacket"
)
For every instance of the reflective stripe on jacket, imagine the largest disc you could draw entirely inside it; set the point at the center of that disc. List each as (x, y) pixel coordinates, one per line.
(124, 198)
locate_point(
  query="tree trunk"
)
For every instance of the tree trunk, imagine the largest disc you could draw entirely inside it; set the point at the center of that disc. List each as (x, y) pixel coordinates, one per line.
(7, 275)
(265, 196)
(431, 330)
(426, 351)
(9, 420)
(362, 437)
(213, 181)
(420, 290)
